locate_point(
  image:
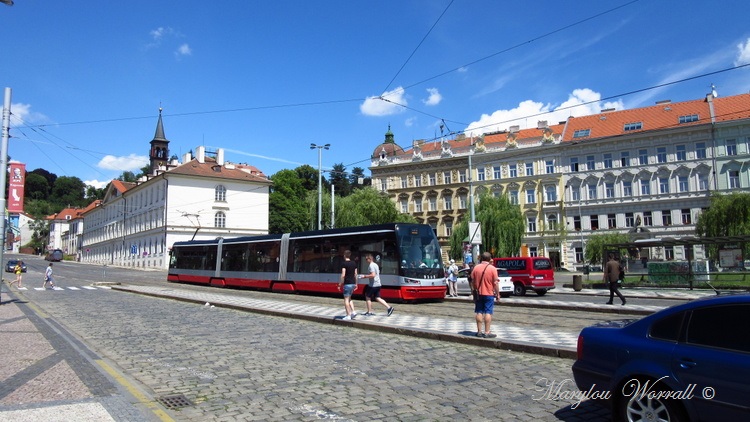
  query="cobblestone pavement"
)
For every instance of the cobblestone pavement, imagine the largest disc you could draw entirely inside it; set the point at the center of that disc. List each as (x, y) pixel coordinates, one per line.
(233, 365)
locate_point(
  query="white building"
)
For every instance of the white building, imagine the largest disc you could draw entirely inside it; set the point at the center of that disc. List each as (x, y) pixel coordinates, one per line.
(203, 197)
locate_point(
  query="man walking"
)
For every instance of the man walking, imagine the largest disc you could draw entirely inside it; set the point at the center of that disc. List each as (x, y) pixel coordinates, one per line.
(611, 275)
(487, 285)
(349, 283)
(372, 290)
(48, 277)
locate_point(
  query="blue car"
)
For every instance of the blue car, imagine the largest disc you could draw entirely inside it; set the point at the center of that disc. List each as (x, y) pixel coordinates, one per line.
(690, 362)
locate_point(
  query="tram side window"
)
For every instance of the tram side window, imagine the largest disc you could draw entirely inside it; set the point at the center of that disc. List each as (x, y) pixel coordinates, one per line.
(235, 258)
(264, 256)
(196, 258)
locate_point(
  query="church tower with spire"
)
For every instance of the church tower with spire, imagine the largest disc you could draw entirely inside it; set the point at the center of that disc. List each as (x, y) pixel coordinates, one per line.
(159, 154)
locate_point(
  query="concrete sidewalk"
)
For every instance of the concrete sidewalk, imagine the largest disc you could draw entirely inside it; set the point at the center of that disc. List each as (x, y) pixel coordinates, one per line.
(48, 375)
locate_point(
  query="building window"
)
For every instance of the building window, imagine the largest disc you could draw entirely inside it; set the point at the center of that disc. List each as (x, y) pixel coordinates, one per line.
(552, 222)
(480, 174)
(220, 219)
(462, 202)
(531, 225)
(688, 119)
(629, 219)
(533, 251)
(433, 203)
(612, 221)
(513, 169)
(581, 133)
(529, 169)
(550, 192)
(575, 193)
(433, 179)
(666, 218)
(669, 253)
(550, 166)
(661, 155)
(682, 182)
(404, 183)
(731, 147)
(624, 159)
(645, 187)
(577, 223)
(609, 190)
(448, 228)
(417, 204)
(686, 219)
(579, 254)
(703, 182)
(447, 177)
(573, 163)
(514, 197)
(448, 202)
(417, 181)
(734, 179)
(530, 196)
(680, 153)
(643, 157)
(700, 150)
(383, 185)
(632, 126)
(663, 185)
(462, 176)
(404, 206)
(648, 219)
(592, 191)
(627, 188)
(590, 162)
(594, 222)
(607, 161)
(220, 194)
(496, 172)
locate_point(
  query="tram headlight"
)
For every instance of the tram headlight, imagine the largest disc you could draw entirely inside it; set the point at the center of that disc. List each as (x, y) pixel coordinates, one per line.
(410, 281)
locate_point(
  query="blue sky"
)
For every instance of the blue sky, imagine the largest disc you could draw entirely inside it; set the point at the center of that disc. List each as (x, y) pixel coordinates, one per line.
(265, 79)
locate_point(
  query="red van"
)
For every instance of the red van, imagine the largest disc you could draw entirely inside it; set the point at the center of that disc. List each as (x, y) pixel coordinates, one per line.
(528, 273)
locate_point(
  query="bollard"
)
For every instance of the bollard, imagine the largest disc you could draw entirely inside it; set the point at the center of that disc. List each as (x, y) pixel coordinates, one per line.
(577, 283)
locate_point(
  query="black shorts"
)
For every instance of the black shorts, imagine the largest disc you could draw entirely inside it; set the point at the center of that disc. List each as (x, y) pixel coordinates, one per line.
(372, 292)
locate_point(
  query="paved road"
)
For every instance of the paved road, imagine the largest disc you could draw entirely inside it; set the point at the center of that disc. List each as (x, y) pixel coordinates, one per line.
(233, 365)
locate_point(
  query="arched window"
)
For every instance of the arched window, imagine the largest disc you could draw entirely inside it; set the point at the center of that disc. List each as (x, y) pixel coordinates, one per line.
(220, 219)
(221, 193)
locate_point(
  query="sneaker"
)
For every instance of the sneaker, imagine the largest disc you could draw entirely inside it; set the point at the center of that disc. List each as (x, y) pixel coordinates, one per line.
(354, 315)
(480, 334)
(346, 317)
(390, 311)
(490, 335)
(368, 314)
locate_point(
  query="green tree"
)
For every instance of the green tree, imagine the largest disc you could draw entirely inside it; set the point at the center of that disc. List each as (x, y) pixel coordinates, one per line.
(40, 234)
(368, 206)
(357, 174)
(727, 215)
(38, 208)
(68, 191)
(340, 180)
(286, 204)
(51, 177)
(127, 176)
(36, 187)
(309, 177)
(595, 244)
(502, 225)
(93, 193)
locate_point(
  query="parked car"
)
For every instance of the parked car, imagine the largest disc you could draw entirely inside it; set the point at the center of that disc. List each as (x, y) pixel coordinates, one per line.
(463, 288)
(55, 255)
(11, 265)
(687, 362)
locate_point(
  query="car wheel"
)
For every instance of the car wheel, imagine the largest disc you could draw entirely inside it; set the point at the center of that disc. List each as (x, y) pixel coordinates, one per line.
(541, 292)
(641, 407)
(519, 289)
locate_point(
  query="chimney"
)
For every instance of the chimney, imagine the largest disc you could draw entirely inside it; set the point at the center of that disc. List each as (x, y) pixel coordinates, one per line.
(514, 129)
(200, 154)
(187, 158)
(541, 124)
(220, 156)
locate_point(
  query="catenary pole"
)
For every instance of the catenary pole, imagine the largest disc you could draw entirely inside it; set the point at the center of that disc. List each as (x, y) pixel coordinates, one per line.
(4, 165)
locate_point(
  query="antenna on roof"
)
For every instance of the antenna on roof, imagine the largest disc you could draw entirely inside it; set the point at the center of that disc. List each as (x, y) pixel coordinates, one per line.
(713, 91)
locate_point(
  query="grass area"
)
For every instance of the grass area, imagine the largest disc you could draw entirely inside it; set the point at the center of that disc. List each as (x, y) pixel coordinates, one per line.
(739, 280)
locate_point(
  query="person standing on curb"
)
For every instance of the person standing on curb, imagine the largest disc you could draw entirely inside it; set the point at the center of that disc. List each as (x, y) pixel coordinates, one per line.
(348, 283)
(372, 290)
(48, 277)
(18, 269)
(452, 278)
(611, 276)
(487, 285)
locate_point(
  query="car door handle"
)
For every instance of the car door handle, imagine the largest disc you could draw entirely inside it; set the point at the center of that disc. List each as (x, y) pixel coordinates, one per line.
(686, 363)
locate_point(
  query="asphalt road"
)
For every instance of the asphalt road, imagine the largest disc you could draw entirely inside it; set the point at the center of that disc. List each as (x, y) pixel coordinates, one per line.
(232, 365)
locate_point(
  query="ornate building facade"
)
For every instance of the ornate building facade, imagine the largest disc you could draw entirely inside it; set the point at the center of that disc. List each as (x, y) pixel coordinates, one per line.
(647, 172)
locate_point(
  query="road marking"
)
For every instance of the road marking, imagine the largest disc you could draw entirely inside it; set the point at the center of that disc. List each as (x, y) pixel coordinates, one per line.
(132, 389)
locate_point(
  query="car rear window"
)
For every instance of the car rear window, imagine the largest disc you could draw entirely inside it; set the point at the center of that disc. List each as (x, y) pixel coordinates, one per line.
(542, 264)
(667, 328)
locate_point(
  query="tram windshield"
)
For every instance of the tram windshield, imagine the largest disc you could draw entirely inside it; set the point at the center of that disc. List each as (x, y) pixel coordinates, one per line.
(420, 254)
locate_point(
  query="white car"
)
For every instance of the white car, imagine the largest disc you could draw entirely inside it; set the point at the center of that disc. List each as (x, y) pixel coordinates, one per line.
(463, 288)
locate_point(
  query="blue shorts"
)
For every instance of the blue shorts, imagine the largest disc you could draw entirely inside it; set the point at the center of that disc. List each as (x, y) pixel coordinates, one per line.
(349, 289)
(484, 305)
(372, 292)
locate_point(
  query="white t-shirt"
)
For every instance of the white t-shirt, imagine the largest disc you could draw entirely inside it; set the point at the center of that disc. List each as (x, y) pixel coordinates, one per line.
(373, 268)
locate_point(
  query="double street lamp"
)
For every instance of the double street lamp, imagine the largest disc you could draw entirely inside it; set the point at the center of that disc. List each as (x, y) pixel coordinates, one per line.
(320, 181)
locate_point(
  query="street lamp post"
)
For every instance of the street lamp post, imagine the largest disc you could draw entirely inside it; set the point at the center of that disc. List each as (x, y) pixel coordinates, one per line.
(320, 181)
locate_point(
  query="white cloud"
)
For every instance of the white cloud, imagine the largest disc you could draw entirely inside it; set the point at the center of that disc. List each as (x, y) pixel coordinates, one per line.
(183, 50)
(97, 184)
(377, 106)
(410, 121)
(580, 102)
(434, 98)
(159, 33)
(129, 163)
(23, 112)
(743, 53)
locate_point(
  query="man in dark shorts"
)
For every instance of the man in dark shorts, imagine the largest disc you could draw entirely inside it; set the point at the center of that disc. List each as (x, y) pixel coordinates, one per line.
(348, 283)
(372, 290)
(486, 283)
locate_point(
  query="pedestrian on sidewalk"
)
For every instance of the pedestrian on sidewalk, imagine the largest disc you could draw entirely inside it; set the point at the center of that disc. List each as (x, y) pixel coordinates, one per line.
(48, 277)
(452, 278)
(18, 269)
(372, 290)
(487, 285)
(612, 272)
(348, 282)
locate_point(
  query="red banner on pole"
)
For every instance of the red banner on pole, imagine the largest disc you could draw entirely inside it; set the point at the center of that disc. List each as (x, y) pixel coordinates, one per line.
(16, 182)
